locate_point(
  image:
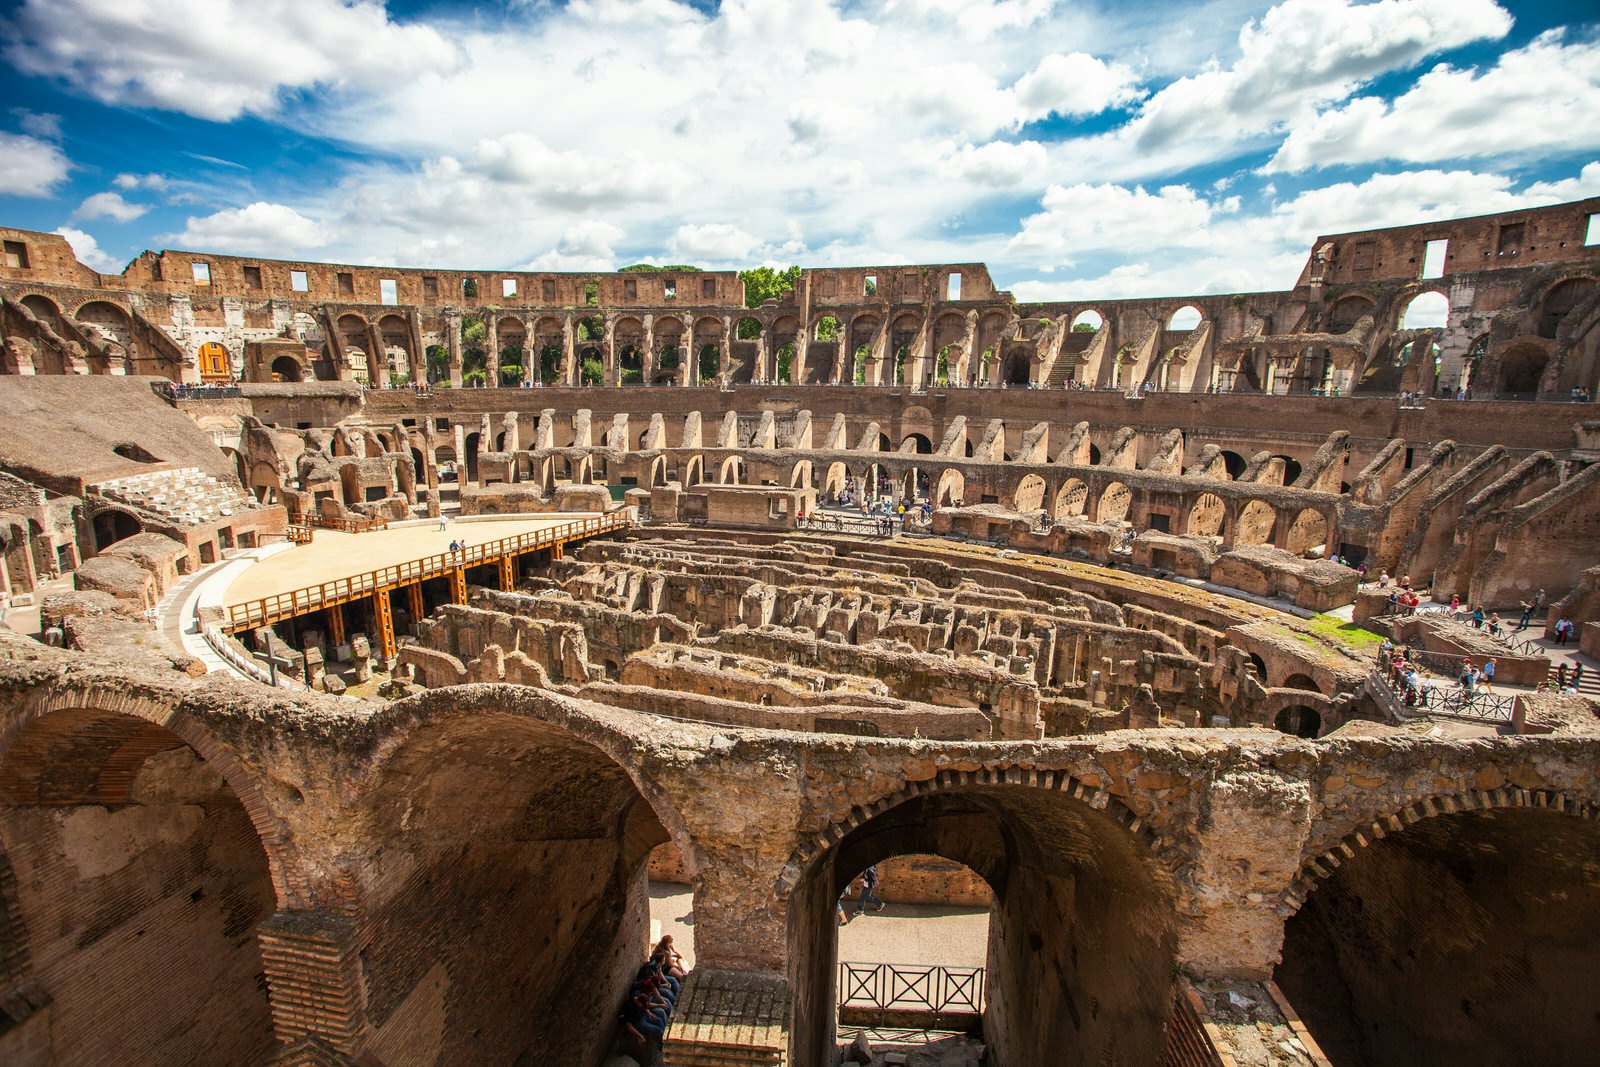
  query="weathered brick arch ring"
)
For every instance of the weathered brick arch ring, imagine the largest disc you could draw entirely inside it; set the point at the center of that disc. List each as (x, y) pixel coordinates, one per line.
(176, 719)
(393, 725)
(1323, 866)
(952, 780)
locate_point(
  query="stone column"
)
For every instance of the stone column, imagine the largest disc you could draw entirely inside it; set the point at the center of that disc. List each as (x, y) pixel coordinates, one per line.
(647, 362)
(569, 355)
(452, 340)
(491, 358)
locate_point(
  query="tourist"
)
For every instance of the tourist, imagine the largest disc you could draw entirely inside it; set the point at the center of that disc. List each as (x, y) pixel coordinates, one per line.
(1488, 674)
(869, 886)
(1455, 604)
(1564, 629)
(1577, 675)
(1561, 676)
(444, 522)
(1527, 614)
(1477, 617)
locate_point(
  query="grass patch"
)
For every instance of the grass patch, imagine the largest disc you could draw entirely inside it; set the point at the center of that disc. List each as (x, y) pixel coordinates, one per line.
(1344, 633)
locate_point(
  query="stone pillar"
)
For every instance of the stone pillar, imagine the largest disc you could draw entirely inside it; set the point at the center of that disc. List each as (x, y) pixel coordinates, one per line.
(647, 362)
(452, 340)
(725, 356)
(1229, 925)
(612, 375)
(377, 357)
(491, 358)
(568, 352)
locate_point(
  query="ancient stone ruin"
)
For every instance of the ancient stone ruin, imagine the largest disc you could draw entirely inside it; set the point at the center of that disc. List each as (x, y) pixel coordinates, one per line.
(378, 670)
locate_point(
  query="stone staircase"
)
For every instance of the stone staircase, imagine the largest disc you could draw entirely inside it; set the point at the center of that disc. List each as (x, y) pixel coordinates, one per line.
(725, 1019)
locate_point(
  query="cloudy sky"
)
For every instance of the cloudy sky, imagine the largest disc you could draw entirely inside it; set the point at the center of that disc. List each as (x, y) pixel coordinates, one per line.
(1100, 149)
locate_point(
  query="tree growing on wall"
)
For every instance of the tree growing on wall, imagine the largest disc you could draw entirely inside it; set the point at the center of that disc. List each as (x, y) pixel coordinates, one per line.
(591, 371)
(438, 363)
(474, 334)
(827, 328)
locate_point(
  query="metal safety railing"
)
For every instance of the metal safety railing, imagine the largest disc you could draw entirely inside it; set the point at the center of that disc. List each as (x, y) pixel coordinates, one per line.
(269, 609)
(1431, 697)
(899, 987)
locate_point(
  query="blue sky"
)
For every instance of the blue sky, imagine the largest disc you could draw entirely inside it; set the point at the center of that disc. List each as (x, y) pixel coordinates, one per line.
(1079, 149)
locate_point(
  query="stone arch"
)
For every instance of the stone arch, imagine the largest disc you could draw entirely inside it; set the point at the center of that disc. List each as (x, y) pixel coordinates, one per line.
(1256, 523)
(288, 369)
(1308, 531)
(1072, 499)
(1185, 319)
(1089, 317)
(1300, 681)
(1234, 463)
(919, 442)
(198, 862)
(800, 475)
(1008, 824)
(1429, 309)
(1029, 493)
(1559, 302)
(1347, 312)
(556, 860)
(694, 473)
(952, 490)
(1522, 369)
(1298, 720)
(1492, 984)
(1114, 504)
(1208, 517)
(112, 525)
(732, 471)
(837, 479)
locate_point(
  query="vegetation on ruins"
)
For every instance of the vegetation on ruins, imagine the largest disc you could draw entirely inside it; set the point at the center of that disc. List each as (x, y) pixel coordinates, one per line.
(650, 268)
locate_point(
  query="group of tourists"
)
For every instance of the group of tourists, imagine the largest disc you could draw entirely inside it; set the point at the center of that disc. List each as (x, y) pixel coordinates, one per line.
(1567, 679)
(648, 1012)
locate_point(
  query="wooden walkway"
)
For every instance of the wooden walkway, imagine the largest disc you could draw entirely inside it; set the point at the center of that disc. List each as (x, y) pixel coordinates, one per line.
(377, 584)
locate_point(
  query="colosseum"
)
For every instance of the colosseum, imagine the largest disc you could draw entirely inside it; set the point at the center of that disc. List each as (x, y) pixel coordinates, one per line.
(385, 648)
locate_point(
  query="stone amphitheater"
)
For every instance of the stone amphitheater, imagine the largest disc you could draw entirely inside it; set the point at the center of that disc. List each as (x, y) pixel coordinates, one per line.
(354, 714)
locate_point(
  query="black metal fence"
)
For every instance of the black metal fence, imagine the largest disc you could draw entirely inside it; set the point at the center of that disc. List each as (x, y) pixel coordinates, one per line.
(902, 988)
(1440, 699)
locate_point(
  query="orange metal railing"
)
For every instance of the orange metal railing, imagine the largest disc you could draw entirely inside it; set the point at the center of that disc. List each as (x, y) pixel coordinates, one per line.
(268, 610)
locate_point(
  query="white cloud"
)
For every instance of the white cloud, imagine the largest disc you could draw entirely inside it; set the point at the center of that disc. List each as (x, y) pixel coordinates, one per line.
(1300, 56)
(89, 252)
(1082, 217)
(40, 124)
(588, 245)
(998, 163)
(218, 59)
(1542, 99)
(157, 182)
(260, 228)
(716, 241)
(29, 166)
(109, 206)
(1074, 84)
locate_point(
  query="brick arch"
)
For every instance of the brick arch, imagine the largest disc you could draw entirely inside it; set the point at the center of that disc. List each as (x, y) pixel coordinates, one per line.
(396, 723)
(292, 887)
(1322, 866)
(945, 781)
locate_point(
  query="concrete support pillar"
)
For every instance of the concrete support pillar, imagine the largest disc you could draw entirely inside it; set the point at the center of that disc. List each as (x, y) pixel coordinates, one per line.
(336, 624)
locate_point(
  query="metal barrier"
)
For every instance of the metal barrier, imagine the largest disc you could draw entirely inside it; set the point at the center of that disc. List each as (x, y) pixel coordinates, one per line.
(896, 987)
(1448, 700)
(270, 609)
